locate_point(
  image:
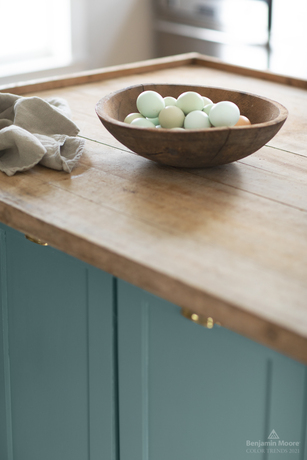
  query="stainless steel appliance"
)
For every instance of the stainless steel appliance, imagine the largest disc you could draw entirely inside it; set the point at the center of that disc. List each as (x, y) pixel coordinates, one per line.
(236, 31)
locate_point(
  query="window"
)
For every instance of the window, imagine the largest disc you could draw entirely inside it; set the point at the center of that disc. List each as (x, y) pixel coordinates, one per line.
(45, 38)
(34, 35)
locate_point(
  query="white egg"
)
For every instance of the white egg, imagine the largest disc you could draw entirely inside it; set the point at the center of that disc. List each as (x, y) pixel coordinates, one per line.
(132, 116)
(197, 120)
(208, 107)
(224, 113)
(171, 117)
(150, 104)
(190, 101)
(169, 100)
(207, 101)
(142, 123)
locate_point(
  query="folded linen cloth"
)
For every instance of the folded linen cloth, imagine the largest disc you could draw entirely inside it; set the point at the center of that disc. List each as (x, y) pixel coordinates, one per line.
(34, 130)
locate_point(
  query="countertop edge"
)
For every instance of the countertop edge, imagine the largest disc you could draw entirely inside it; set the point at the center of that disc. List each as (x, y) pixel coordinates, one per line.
(257, 328)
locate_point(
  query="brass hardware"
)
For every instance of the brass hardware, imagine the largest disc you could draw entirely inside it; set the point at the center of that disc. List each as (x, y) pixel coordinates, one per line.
(36, 240)
(196, 318)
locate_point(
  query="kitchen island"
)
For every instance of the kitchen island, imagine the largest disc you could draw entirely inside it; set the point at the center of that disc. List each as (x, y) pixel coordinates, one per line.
(228, 243)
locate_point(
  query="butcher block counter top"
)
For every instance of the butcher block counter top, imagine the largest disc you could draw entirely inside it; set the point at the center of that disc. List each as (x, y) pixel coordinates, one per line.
(228, 243)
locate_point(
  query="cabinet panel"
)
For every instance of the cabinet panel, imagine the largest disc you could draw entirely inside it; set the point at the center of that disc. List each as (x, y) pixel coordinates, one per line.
(190, 392)
(57, 381)
(288, 403)
(184, 391)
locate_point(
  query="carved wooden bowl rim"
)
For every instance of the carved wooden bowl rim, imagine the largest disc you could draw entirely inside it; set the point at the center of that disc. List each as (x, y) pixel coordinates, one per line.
(102, 114)
(193, 148)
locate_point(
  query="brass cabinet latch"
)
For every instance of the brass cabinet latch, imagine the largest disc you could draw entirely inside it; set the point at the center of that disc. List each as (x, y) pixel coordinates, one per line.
(36, 240)
(196, 318)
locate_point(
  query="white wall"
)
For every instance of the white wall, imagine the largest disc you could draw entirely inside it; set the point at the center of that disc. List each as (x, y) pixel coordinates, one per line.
(119, 31)
(104, 33)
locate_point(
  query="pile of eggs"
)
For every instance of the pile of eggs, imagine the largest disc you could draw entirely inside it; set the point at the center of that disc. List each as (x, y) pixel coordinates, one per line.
(189, 111)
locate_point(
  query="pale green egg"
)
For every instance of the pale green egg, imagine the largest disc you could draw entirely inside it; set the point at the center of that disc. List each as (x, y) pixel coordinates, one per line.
(171, 117)
(190, 101)
(208, 107)
(150, 104)
(197, 120)
(132, 116)
(155, 120)
(142, 123)
(169, 100)
(207, 100)
(224, 113)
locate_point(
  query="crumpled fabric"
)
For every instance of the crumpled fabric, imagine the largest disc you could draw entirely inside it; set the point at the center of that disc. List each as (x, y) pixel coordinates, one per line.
(34, 130)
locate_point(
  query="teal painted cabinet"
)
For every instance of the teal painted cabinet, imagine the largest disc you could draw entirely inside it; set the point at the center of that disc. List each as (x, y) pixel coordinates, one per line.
(92, 368)
(187, 392)
(57, 363)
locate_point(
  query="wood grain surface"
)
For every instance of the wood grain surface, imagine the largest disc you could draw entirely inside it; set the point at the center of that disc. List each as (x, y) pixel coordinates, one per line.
(228, 242)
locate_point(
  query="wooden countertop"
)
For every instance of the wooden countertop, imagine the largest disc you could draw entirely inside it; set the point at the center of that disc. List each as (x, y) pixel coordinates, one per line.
(228, 242)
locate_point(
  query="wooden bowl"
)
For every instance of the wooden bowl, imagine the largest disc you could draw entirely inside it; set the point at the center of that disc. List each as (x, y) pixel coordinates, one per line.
(193, 148)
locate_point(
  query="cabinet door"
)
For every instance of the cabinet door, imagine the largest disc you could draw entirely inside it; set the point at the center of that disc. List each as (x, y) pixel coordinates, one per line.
(187, 392)
(56, 355)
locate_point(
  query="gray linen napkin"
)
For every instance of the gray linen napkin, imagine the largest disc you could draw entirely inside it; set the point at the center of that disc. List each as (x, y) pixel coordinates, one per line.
(33, 130)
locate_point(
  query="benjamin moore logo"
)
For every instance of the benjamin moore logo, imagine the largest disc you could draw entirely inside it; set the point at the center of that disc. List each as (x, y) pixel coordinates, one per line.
(274, 445)
(273, 435)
